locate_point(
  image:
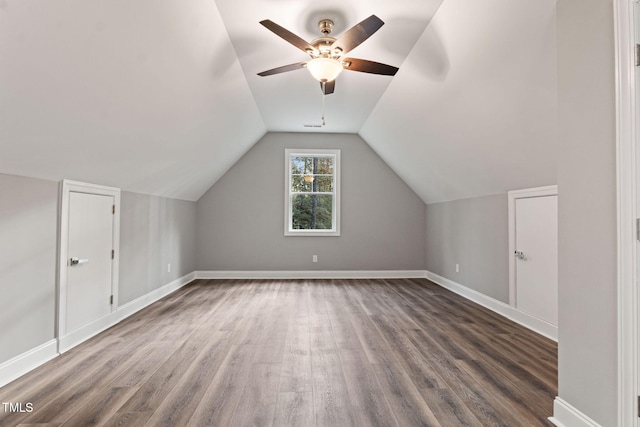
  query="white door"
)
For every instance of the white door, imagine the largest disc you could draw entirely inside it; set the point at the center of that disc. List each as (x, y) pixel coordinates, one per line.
(536, 240)
(89, 263)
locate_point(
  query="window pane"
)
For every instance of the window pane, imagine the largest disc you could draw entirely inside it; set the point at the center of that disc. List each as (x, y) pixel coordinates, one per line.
(324, 184)
(311, 212)
(299, 164)
(325, 165)
(299, 184)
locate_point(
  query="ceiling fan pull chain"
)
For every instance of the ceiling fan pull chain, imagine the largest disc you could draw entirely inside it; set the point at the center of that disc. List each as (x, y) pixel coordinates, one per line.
(323, 96)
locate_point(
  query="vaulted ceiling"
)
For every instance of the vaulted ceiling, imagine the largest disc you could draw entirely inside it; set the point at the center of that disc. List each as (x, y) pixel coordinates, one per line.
(162, 96)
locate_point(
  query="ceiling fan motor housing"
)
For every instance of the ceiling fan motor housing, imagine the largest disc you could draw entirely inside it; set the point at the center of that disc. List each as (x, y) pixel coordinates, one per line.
(325, 26)
(323, 47)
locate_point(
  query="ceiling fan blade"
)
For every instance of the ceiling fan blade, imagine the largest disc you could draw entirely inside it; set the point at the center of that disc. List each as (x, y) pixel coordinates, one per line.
(357, 34)
(295, 40)
(366, 66)
(328, 87)
(283, 69)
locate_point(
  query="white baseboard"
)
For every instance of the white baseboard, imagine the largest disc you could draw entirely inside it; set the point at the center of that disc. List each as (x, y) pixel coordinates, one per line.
(78, 336)
(312, 274)
(540, 326)
(71, 340)
(27, 361)
(565, 415)
(138, 304)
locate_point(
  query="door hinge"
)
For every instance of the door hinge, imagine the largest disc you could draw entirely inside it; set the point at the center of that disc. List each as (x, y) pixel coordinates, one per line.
(111, 300)
(637, 55)
(113, 253)
(638, 229)
(113, 209)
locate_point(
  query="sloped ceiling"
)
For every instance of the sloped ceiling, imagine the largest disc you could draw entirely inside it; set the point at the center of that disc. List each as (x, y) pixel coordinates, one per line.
(162, 97)
(473, 109)
(145, 95)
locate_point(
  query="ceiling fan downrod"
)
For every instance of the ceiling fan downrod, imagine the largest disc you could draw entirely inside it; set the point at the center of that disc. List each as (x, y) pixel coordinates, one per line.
(325, 26)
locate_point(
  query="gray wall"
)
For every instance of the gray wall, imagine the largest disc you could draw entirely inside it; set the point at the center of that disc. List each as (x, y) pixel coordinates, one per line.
(587, 358)
(154, 231)
(28, 248)
(587, 208)
(473, 233)
(240, 220)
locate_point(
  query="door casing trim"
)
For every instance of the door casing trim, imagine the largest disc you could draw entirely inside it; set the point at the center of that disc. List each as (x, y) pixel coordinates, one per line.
(627, 212)
(66, 187)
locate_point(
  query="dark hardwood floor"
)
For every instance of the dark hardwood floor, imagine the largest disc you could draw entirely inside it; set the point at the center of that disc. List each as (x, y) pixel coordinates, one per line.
(299, 353)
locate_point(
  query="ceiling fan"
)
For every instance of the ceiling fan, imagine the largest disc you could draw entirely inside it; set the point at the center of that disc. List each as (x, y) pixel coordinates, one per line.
(327, 52)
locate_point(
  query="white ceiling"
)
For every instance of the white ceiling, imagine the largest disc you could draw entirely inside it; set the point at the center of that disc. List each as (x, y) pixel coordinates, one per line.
(145, 95)
(162, 97)
(472, 111)
(289, 101)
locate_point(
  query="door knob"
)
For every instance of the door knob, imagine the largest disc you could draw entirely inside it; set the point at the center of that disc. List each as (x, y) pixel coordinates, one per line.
(77, 261)
(519, 255)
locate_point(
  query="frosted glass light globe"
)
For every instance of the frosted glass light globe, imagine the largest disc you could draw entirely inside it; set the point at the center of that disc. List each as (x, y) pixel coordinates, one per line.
(324, 69)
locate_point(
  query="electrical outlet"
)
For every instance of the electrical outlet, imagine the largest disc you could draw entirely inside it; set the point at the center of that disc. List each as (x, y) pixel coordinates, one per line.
(168, 268)
(457, 268)
(315, 258)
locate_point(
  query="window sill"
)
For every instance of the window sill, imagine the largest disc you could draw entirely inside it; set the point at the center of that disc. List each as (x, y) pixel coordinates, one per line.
(307, 233)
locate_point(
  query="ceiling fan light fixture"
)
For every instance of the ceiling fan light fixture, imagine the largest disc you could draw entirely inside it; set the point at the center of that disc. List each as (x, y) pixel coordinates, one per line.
(326, 52)
(324, 69)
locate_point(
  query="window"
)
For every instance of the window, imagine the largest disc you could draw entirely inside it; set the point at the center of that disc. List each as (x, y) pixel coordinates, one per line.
(312, 198)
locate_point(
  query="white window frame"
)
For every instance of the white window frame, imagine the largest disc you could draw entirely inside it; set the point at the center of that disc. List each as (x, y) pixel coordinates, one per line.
(335, 214)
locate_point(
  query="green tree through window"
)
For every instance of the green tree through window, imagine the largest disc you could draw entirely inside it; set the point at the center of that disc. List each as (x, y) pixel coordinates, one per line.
(312, 191)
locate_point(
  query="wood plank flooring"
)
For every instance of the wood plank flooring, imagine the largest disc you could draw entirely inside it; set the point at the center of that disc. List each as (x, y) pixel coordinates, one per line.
(299, 353)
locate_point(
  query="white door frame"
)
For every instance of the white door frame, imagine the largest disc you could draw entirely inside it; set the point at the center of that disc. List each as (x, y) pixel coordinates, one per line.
(66, 188)
(550, 190)
(539, 325)
(627, 286)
